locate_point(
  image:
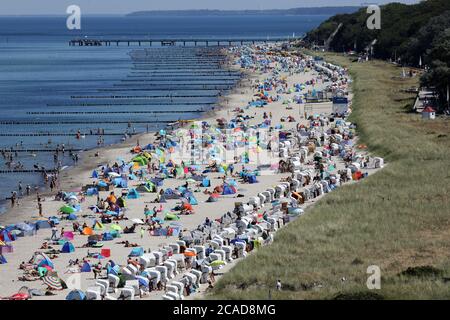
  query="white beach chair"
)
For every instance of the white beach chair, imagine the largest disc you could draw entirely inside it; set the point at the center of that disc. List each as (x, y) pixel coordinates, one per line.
(127, 293)
(181, 243)
(175, 247)
(215, 244)
(262, 199)
(159, 257)
(191, 277)
(93, 293)
(267, 195)
(163, 271)
(104, 285)
(154, 276)
(174, 295)
(241, 249)
(175, 263)
(198, 275)
(133, 284)
(221, 253)
(214, 256)
(179, 286)
(254, 201)
(206, 270)
(200, 251)
(113, 282)
(175, 290)
(228, 252)
(272, 193)
(147, 260)
(171, 268)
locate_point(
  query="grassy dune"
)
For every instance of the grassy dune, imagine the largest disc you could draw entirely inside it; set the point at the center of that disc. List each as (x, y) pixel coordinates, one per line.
(398, 218)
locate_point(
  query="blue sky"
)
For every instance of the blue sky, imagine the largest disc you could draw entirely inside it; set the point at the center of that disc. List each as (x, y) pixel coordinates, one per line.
(18, 7)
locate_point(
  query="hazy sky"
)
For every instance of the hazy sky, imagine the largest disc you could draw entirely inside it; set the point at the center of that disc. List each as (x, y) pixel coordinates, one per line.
(17, 7)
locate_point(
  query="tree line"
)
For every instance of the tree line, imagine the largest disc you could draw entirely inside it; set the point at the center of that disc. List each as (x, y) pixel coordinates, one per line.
(411, 35)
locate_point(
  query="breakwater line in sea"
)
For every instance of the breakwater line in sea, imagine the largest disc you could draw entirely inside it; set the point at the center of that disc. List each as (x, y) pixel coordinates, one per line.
(158, 87)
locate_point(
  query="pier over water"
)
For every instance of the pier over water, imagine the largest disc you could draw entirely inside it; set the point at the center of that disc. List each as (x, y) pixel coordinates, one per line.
(174, 42)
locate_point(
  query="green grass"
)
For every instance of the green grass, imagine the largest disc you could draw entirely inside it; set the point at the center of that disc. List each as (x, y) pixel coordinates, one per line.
(397, 218)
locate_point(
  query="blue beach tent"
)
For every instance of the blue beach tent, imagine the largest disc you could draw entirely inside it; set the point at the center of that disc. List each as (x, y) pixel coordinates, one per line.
(68, 247)
(102, 184)
(136, 252)
(107, 236)
(252, 179)
(193, 200)
(76, 295)
(72, 216)
(94, 174)
(91, 191)
(206, 183)
(133, 194)
(46, 262)
(86, 267)
(228, 190)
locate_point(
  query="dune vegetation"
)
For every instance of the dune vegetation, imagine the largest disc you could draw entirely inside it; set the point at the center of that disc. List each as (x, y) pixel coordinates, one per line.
(397, 219)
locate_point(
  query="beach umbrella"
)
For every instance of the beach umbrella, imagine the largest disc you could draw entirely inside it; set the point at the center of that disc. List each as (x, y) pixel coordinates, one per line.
(113, 174)
(19, 296)
(42, 271)
(115, 227)
(15, 232)
(189, 254)
(158, 220)
(72, 198)
(67, 209)
(53, 282)
(44, 260)
(170, 216)
(217, 263)
(138, 221)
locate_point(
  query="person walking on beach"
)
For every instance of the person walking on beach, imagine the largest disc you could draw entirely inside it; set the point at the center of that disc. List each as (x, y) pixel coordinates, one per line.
(20, 188)
(28, 189)
(13, 199)
(40, 209)
(54, 231)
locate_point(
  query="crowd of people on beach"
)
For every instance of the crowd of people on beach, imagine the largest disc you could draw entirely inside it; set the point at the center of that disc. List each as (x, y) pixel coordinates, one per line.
(309, 155)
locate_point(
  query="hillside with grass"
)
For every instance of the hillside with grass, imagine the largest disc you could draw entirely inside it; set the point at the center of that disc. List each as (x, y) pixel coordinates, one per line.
(397, 219)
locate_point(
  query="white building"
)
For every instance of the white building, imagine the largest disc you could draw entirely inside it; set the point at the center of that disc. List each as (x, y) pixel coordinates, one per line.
(428, 113)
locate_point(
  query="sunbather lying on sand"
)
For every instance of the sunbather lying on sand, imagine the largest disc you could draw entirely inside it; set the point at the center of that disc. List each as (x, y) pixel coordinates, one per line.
(27, 277)
(128, 244)
(25, 266)
(46, 246)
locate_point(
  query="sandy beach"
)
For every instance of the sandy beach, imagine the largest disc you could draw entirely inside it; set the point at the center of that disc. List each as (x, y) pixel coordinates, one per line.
(73, 179)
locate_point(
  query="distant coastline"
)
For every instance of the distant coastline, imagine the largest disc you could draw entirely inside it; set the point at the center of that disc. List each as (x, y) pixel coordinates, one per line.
(293, 11)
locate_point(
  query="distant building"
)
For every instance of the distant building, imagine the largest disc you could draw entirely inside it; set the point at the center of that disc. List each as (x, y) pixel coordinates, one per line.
(425, 97)
(340, 103)
(428, 113)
